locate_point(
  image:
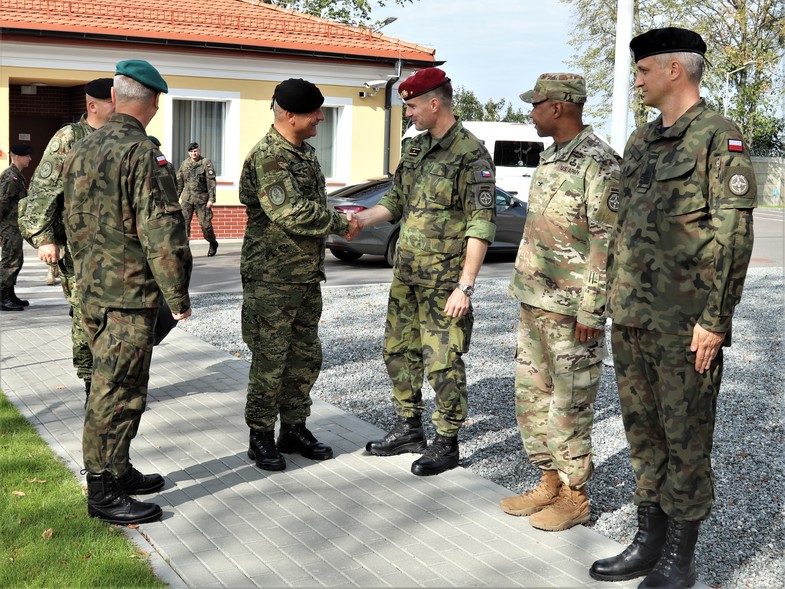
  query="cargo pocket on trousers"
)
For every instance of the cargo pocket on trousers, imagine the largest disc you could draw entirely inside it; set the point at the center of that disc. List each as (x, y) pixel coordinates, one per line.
(129, 346)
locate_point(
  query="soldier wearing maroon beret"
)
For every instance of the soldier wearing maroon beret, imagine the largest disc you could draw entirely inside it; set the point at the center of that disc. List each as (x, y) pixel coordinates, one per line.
(444, 197)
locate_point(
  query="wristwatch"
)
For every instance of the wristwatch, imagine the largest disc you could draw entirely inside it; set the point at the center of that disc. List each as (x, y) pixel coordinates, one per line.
(466, 289)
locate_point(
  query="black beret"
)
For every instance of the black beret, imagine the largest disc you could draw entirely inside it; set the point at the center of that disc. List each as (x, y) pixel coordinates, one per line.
(193, 145)
(21, 149)
(298, 96)
(143, 72)
(100, 88)
(667, 40)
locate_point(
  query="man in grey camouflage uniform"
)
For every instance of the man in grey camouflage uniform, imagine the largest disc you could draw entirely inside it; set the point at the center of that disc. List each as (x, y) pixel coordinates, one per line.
(560, 281)
(12, 190)
(444, 196)
(679, 258)
(196, 188)
(127, 237)
(41, 214)
(281, 265)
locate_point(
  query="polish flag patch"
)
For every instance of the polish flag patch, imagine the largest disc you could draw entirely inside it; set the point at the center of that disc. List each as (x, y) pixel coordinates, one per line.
(735, 145)
(161, 159)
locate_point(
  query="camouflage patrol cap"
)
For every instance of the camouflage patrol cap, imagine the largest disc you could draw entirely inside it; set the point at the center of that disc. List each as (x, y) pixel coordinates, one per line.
(422, 82)
(561, 87)
(144, 73)
(667, 40)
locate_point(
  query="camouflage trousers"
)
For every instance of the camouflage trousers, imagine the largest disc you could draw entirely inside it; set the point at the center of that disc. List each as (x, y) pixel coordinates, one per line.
(80, 344)
(122, 344)
(420, 340)
(203, 214)
(556, 382)
(280, 325)
(11, 259)
(668, 410)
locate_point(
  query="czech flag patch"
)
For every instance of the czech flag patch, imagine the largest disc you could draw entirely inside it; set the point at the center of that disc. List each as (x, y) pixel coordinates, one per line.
(486, 173)
(735, 145)
(161, 159)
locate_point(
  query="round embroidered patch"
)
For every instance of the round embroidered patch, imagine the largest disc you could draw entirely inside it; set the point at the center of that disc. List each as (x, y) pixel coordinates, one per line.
(738, 184)
(485, 198)
(45, 170)
(613, 202)
(277, 195)
(54, 145)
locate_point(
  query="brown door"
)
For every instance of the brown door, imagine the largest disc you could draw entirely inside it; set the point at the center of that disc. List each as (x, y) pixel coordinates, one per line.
(39, 129)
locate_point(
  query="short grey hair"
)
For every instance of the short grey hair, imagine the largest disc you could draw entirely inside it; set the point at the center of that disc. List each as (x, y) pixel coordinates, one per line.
(126, 88)
(279, 113)
(692, 62)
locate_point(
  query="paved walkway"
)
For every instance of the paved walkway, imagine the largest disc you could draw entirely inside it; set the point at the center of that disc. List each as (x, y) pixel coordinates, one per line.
(354, 521)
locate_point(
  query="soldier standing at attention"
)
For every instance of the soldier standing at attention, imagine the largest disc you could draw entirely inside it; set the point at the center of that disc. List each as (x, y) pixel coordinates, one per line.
(41, 214)
(444, 196)
(281, 265)
(679, 258)
(127, 237)
(12, 190)
(560, 281)
(196, 189)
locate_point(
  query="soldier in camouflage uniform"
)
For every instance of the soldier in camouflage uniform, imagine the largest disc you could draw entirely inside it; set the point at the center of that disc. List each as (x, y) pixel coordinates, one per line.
(41, 214)
(679, 258)
(281, 265)
(560, 281)
(444, 196)
(196, 188)
(127, 237)
(12, 190)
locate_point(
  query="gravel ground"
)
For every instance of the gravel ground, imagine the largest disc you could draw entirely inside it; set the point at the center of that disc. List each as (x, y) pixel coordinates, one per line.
(742, 544)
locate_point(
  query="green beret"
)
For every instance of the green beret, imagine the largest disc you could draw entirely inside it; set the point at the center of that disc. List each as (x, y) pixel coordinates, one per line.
(154, 139)
(142, 72)
(298, 96)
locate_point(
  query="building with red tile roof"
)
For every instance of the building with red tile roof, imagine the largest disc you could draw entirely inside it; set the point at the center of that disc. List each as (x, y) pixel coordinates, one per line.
(221, 62)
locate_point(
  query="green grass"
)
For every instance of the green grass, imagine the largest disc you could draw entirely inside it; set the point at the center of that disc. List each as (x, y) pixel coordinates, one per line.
(46, 536)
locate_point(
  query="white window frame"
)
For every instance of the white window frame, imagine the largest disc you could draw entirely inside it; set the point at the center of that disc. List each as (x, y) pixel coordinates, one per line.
(343, 138)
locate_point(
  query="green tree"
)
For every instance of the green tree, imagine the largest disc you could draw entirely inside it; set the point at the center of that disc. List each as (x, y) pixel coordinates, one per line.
(350, 12)
(469, 108)
(736, 31)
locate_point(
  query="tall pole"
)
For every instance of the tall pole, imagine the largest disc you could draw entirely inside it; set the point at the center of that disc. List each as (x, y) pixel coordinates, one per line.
(726, 96)
(621, 75)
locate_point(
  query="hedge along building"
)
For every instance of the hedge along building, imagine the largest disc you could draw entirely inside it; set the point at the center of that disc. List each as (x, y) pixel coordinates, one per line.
(222, 63)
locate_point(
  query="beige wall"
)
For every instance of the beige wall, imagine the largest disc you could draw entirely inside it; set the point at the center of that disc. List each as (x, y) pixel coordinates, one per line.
(770, 175)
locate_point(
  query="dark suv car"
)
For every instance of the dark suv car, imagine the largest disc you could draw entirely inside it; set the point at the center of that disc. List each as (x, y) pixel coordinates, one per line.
(381, 239)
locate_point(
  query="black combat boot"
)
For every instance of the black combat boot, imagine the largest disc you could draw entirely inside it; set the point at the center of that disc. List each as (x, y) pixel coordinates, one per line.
(17, 300)
(441, 455)
(212, 249)
(297, 438)
(105, 500)
(638, 558)
(262, 449)
(406, 435)
(133, 482)
(7, 303)
(676, 567)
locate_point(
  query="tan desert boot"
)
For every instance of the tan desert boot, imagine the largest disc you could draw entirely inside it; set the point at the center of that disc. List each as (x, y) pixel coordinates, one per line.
(536, 499)
(570, 509)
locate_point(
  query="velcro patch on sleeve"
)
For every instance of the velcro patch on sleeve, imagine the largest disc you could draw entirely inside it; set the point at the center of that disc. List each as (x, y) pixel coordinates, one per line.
(736, 145)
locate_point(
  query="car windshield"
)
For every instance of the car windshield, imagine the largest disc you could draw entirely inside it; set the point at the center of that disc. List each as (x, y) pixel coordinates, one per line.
(517, 154)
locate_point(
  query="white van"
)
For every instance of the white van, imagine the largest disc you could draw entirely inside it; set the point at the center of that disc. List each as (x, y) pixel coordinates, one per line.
(515, 148)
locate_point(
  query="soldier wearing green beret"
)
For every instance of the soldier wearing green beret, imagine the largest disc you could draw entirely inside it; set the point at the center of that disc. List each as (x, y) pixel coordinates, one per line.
(281, 265)
(127, 237)
(560, 281)
(444, 196)
(41, 214)
(12, 190)
(679, 258)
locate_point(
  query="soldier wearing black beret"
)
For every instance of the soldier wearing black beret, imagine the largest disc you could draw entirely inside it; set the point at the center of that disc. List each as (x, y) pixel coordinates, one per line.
(12, 190)
(680, 253)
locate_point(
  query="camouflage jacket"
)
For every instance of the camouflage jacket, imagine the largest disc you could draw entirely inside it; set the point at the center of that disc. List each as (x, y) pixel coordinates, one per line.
(41, 214)
(125, 227)
(288, 218)
(683, 238)
(444, 192)
(196, 181)
(564, 250)
(12, 190)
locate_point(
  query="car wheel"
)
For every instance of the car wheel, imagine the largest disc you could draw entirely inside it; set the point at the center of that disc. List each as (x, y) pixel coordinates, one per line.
(345, 256)
(392, 245)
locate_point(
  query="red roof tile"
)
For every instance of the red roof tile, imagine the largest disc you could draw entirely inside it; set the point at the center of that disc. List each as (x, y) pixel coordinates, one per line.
(237, 23)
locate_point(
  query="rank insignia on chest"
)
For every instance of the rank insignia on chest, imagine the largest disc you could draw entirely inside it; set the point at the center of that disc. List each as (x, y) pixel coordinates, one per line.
(161, 159)
(735, 145)
(415, 151)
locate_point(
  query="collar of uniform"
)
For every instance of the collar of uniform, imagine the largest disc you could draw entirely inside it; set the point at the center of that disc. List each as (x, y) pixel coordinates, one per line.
(126, 119)
(552, 154)
(679, 127)
(303, 151)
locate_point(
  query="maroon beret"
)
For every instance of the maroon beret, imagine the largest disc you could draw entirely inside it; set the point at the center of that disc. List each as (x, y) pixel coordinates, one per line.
(421, 82)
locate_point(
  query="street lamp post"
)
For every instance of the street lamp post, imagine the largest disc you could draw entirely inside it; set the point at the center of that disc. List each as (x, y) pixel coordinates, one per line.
(727, 80)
